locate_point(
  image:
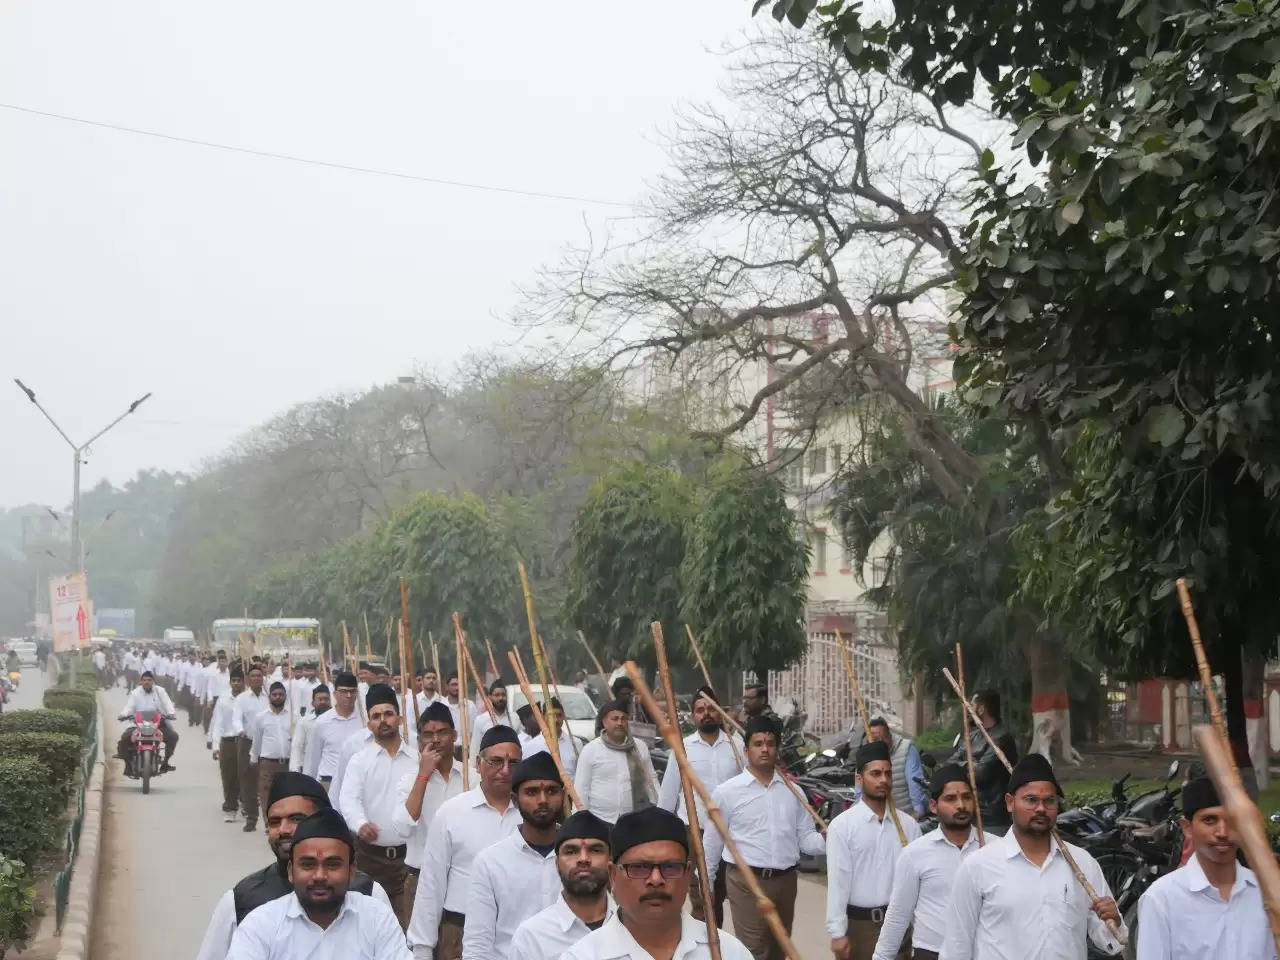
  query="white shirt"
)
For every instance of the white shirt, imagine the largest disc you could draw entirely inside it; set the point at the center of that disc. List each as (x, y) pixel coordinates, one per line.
(1182, 916)
(861, 853)
(140, 701)
(271, 736)
(222, 925)
(301, 736)
(460, 829)
(368, 790)
(921, 898)
(245, 707)
(353, 745)
(438, 791)
(614, 941)
(425, 701)
(510, 882)
(603, 778)
(1004, 907)
(714, 763)
(220, 723)
(485, 720)
(99, 659)
(327, 737)
(551, 931)
(457, 718)
(280, 930)
(217, 683)
(769, 825)
(567, 755)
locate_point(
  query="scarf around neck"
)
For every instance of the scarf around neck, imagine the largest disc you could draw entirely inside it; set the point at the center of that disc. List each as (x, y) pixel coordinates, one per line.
(641, 790)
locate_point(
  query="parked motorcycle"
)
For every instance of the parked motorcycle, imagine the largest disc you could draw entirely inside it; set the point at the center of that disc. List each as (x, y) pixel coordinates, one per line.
(148, 741)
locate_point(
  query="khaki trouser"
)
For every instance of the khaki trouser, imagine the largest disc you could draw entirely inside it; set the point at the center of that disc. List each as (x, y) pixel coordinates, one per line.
(229, 767)
(248, 782)
(863, 935)
(389, 873)
(410, 891)
(449, 943)
(749, 924)
(267, 770)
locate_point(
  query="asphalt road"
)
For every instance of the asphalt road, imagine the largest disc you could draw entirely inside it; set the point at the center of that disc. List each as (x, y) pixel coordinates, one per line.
(29, 692)
(168, 856)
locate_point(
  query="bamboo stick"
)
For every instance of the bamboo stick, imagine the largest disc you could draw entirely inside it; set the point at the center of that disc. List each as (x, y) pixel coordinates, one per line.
(866, 727)
(493, 664)
(1062, 847)
(533, 639)
(463, 717)
(404, 691)
(706, 674)
(555, 685)
(1245, 816)
(475, 674)
(435, 661)
(1202, 662)
(672, 735)
(553, 747)
(594, 659)
(346, 646)
(406, 658)
(968, 749)
(691, 808)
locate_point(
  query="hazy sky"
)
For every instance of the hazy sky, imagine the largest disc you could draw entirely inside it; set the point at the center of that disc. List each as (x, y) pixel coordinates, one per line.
(232, 286)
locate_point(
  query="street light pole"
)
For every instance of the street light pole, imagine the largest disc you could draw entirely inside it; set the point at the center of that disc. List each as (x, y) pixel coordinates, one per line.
(77, 557)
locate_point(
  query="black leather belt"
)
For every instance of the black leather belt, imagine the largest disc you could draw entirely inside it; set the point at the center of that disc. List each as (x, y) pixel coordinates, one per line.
(390, 853)
(454, 917)
(275, 759)
(919, 953)
(225, 739)
(874, 914)
(768, 873)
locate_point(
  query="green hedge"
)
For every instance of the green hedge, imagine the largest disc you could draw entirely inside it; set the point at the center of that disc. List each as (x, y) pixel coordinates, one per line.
(17, 905)
(30, 808)
(60, 752)
(42, 721)
(79, 701)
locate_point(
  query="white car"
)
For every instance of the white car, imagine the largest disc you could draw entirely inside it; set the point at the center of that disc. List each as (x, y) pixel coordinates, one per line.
(26, 651)
(579, 711)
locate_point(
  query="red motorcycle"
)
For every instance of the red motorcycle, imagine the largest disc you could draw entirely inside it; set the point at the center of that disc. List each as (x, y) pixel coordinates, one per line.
(148, 739)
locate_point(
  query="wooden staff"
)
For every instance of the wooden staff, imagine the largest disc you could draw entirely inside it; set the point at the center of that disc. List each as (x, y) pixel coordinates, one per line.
(1206, 675)
(493, 664)
(553, 747)
(533, 641)
(346, 646)
(1062, 847)
(594, 659)
(404, 692)
(1245, 816)
(688, 775)
(695, 832)
(555, 685)
(367, 635)
(463, 718)
(866, 728)
(406, 657)
(968, 749)
(471, 664)
(706, 674)
(324, 660)
(435, 661)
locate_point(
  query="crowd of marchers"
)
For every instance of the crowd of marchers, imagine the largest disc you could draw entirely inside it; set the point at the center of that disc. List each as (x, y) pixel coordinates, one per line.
(388, 840)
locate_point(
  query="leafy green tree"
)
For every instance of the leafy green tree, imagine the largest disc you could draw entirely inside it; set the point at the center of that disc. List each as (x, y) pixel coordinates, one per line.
(628, 544)
(744, 573)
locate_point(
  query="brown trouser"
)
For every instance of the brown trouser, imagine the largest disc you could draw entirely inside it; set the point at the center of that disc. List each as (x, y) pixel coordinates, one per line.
(718, 893)
(248, 782)
(389, 872)
(749, 924)
(863, 935)
(449, 943)
(229, 767)
(410, 891)
(206, 714)
(267, 770)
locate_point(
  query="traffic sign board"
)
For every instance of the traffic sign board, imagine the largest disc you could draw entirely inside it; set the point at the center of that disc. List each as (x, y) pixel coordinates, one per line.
(71, 610)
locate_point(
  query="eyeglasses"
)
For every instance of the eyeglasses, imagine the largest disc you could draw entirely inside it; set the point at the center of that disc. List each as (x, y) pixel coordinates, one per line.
(497, 763)
(643, 869)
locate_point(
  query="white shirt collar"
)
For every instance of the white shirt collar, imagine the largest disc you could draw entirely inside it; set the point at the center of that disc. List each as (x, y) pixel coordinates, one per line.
(940, 838)
(1197, 882)
(478, 800)
(565, 918)
(620, 942)
(294, 909)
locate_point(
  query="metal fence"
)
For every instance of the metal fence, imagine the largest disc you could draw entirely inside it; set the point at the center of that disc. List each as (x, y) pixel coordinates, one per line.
(819, 685)
(62, 881)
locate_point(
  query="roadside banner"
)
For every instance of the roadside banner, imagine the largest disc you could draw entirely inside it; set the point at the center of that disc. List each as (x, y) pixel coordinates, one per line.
(72, 612)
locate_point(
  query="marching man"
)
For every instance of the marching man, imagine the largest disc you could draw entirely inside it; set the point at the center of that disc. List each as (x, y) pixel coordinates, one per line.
(1018, 898)
(1212, 906)
(924, 873)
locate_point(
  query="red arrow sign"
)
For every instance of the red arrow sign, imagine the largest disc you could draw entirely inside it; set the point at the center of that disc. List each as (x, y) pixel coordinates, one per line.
(82, 619)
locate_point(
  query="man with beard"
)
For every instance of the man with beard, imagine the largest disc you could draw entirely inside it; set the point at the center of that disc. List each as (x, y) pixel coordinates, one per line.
(221, 739)
(293, 798)
(461, 828)
(863, 847)
(716, 757)
(217, 684)
(614, 774)
(1212, 906)
(455, 706)
(333, 729)
(922, 877)
(272, 740)
(554, 716)
(1017, 897)
(429, 693)
(320, 703)
(368, 796)
(245, 707)
(584, 904)
(528, 728)
(989, 770)
(516, 877)
(147, 699)
(649, 877)
(419, 795)
(497, 714)
(322, 919)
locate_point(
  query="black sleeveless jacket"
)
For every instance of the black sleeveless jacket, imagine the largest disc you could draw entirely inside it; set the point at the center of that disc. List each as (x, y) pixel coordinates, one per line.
(263, 886)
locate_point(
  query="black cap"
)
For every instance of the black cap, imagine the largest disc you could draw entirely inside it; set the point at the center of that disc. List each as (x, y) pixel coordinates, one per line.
(498, 684)
(498, 733)
(236, 673)
(1197, 795)
(582, 825)
(145, 674)
(870, 752)
(437, 712)
(705, 693)
(275, 686)
(647, 826)
(610, 706)
(289, 783)
(761, 723)
(327, 823)
(346, 679)
(555, 704)
(540, 766)
(320, 688)
(1033, 768)
(524, 712)
(380, 693)
(947, 773)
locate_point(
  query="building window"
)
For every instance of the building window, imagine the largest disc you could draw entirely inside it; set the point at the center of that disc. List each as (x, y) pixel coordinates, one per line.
(817, 460)
(837, 458)
(818, 551)
(791, 463)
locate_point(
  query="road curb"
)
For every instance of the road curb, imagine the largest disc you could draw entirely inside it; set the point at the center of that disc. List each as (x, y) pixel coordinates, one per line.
(74, 939)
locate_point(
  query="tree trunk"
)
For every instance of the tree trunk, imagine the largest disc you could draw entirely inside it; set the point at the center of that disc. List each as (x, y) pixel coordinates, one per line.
(1050, 708)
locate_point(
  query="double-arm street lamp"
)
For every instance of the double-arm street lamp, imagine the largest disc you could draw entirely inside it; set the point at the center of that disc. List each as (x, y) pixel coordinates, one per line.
(77, 556)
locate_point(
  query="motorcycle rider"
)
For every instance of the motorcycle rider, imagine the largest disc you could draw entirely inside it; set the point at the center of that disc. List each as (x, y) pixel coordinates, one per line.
(991, 776)
(148, 699)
